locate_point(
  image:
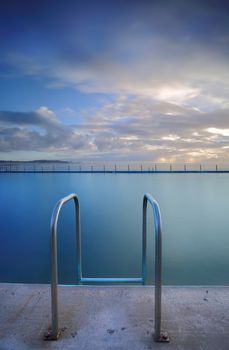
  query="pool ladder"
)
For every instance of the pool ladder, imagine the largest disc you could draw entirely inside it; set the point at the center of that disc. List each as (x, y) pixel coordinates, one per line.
(54, 333)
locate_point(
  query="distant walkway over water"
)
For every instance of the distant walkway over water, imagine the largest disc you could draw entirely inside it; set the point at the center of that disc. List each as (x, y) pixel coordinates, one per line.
(109, 167)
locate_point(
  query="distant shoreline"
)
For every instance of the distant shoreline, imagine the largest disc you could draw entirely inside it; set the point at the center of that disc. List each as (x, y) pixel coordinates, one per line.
(35, 161)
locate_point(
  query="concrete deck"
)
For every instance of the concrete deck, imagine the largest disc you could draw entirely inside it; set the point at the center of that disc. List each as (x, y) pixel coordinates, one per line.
(114, 318)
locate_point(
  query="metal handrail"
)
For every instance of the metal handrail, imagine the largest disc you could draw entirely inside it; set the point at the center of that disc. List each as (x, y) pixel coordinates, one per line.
(111, 280)
(159, 335)
(54, 333)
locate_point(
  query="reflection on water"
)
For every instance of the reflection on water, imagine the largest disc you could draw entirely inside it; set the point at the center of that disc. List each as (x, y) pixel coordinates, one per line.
(195, 219)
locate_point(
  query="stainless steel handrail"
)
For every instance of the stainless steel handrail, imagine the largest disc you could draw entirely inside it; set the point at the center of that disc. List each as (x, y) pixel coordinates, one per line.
(159, 335)
(54, 333)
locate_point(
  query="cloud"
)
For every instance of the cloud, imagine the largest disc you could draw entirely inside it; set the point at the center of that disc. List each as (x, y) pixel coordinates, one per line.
(123, 129)
(39, 130)
(40, 117)
(196, 78)
(162, 67)
(215, 131)
(171, 53)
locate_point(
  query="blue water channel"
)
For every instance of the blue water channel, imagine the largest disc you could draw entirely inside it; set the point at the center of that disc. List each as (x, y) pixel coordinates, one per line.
(195, 218)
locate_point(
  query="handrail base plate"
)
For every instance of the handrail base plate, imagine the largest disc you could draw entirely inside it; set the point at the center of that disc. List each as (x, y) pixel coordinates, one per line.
(164, 337)
(49, 335)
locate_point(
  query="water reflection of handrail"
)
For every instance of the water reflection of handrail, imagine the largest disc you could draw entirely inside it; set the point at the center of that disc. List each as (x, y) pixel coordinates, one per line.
(159, 335)
(54, 333)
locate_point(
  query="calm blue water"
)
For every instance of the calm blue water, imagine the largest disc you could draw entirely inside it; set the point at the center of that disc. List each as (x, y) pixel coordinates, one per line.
(195, 214)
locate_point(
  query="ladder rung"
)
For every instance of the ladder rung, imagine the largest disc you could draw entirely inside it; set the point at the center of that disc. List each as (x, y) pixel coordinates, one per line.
(110, 280)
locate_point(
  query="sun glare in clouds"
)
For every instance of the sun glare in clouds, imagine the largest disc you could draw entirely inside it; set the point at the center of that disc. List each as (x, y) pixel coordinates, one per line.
(176, 95)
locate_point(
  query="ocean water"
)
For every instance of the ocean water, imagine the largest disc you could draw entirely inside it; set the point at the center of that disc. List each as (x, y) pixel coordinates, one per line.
(195, 226)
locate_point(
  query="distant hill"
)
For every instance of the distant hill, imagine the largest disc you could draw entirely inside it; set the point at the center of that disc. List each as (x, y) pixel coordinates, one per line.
(35, 161)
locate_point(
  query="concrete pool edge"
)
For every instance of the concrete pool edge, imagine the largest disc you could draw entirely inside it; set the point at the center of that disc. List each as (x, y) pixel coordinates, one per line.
(117, 286)
(114, 317)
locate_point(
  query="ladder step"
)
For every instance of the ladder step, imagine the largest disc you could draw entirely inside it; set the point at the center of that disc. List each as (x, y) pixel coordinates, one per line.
(110, 280)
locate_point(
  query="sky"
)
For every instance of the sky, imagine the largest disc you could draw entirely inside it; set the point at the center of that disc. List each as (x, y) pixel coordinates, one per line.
(114, 80)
